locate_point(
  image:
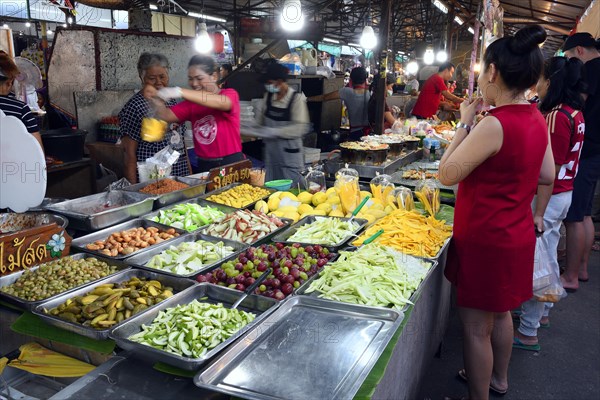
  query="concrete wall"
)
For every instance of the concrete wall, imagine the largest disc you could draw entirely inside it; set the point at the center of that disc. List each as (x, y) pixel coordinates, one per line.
(93, 59)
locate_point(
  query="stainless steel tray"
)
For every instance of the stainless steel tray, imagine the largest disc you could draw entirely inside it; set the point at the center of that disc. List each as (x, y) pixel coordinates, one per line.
(13, 222)
(196, 188)
(301, 291)
(81, 242)
(286, 223)
(140, 261)
(370, 171)
(206, 293)
(309, 219)
(30, 305)
(199, 201)
(82, 216)
(178, 285)
(298, 342)
(225, 188)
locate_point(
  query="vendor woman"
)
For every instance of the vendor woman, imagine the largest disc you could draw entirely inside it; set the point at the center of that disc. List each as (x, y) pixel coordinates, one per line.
(9, 104)
(214, 113)
(153, 70)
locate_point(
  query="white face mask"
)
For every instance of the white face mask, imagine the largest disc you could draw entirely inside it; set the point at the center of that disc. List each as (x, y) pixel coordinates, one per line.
(272, 88)
(390, 92)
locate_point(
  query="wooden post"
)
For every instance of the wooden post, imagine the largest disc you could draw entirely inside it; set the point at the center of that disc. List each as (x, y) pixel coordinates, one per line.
(384, 35)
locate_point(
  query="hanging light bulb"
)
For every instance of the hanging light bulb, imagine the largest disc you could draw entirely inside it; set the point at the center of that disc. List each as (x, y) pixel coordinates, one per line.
(428, 57)
(292, 19)
(49, 32)
(5, 26)
(204, 43)
(70, 20)
(412, 67)
(442, 56)
(368, 40)
(28, 24)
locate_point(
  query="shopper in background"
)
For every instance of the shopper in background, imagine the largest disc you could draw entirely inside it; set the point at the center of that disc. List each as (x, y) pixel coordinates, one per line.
(498, 166)
(388, 118)
(286, 120)
(214, 113)
(9, 104)
(412, 86)
(224, 72)
(432, 92)
(579, 224)
(356, 98)
(560, 89)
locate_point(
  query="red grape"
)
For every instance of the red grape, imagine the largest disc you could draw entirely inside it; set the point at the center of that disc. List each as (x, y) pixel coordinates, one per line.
(240, 287)
(295, 272)
(201, 278)
(239, 266)
(309, 249)
(279, 295)
(240, 279)
(287, 288)
(276, 283)
(288, 279)
(232, 281)
(279, 246)
(318, 248)
(249, 281)
(296, 245)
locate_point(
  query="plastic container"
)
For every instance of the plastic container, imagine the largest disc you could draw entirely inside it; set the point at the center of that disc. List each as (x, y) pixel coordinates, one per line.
(404, 198)
(346, 185)
(64, 144)
(315, 181)
(382, 188)
(280, 184)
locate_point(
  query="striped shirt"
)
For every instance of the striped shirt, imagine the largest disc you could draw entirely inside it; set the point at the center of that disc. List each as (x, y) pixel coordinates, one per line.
(15, 108)
(130, 124)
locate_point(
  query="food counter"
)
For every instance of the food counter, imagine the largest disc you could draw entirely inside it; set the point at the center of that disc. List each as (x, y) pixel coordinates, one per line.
(390, 366)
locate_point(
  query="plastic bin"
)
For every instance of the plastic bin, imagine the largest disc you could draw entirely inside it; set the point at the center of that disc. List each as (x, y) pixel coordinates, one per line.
(64, 144)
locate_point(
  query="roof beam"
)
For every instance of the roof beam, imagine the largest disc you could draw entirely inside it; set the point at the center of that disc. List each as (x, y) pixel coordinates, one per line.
(532, 10)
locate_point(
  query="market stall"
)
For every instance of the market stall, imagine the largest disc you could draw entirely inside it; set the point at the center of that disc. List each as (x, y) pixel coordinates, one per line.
(196, 250)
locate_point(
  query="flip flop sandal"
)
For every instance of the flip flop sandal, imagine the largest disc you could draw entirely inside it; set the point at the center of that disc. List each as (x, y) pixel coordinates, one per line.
(545, 326)
(518, 344)
(463, 375)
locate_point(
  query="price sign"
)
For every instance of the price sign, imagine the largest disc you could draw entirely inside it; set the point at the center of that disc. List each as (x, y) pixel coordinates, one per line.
(29, 247)
(228, 174)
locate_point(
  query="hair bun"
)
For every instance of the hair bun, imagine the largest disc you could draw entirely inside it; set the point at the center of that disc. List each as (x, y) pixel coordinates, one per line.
(527, 39)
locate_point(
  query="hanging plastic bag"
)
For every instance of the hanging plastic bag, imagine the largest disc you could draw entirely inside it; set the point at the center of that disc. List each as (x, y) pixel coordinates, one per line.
(546, 281)
(159, 165)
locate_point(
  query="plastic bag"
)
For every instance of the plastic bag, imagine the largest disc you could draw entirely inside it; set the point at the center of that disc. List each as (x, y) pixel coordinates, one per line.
(546, 281)
(159, 165)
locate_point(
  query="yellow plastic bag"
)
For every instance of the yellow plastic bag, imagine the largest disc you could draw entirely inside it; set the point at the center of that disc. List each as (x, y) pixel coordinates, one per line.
(39, 360)
(153, 130)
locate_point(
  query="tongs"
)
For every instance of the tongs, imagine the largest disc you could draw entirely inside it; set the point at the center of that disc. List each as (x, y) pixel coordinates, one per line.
(251, 288)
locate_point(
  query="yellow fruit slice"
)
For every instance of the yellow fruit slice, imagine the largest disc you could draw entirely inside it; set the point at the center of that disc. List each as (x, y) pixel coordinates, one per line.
(336, 213)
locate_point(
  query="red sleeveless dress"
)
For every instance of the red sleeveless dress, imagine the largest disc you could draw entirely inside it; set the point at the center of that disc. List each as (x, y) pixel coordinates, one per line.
(490, 259)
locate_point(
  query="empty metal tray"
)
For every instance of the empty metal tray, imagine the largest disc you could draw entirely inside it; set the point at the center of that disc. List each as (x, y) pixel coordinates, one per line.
(102, 210)
(298, 342)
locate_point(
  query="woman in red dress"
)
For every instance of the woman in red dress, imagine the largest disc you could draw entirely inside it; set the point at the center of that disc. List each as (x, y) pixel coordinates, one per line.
(498, 167)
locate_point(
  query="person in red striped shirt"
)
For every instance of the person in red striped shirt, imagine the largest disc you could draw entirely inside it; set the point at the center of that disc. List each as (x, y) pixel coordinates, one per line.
(560, 89)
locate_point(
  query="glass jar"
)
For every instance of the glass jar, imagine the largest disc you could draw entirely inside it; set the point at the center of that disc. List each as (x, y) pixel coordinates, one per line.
(315, 181)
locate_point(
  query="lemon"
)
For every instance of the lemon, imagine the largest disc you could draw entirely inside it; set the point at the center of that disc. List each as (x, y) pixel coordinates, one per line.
(319, 198)
(262, 206)
(273, 203)
(289, 195)
(318, 212)
(336, 213)
(292, 215)
(275, 195)
(331, 191)
(326, 207)
(333, 200)
(304, 208)
(288, 209)
(305, 197)
(364, 193)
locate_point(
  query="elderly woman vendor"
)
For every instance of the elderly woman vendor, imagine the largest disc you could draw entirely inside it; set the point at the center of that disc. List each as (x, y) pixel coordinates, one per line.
(153, 70)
